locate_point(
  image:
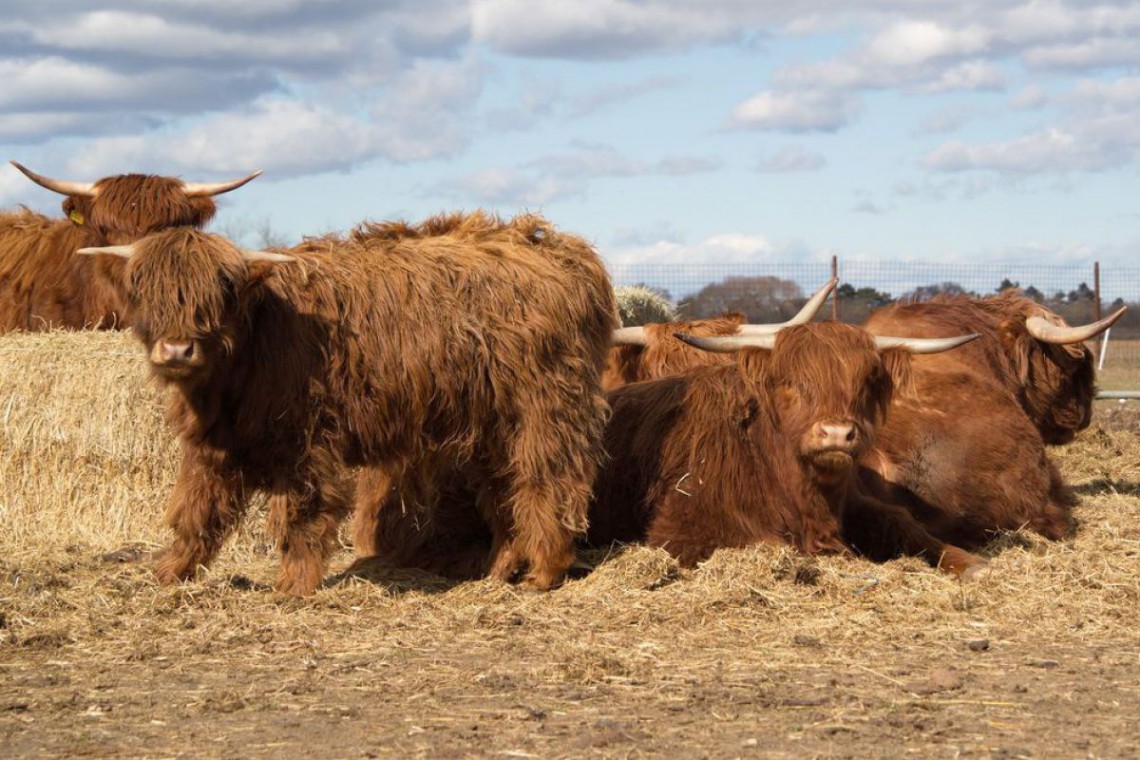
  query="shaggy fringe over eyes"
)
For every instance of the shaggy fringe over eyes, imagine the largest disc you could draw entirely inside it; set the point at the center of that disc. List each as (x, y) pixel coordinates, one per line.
(182, 281)
(823, 359)
(133, 205)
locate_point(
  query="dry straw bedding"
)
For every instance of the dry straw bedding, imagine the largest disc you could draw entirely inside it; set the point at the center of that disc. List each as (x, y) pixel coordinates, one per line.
(759, 652)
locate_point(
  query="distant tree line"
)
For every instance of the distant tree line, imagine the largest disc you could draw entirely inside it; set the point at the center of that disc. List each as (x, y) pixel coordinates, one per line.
(773, 299)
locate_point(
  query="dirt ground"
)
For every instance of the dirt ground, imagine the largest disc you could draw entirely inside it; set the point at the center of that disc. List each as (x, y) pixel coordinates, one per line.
(757, 653)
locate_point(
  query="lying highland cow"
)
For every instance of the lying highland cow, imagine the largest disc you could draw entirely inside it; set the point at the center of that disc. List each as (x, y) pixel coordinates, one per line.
(43, 284)
(650, 351)
(1024, 347)
(763, 449)
(466, 342)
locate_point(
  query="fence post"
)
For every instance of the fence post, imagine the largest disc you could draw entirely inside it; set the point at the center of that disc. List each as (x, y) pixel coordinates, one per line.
(1096, 316)
(835, 293)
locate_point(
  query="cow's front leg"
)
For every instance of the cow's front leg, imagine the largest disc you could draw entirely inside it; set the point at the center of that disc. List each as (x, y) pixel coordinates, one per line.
(303, 517)
(207, 503)
(882, 530)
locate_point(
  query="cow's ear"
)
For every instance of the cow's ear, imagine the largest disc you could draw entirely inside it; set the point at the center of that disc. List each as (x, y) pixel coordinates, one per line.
(896, 362)
(257, 273)
(1019, 345)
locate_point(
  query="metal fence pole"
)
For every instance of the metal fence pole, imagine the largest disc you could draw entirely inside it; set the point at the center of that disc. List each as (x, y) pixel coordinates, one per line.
(834, 293)
(1096, 291)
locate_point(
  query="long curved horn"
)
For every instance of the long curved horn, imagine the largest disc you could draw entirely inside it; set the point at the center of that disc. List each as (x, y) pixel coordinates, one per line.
(61, 186)
(1047, 332)
(194, 189)
(126, 251)
(805, 315)
(629, 336)
(278, 258)
(727, 344)
(922, 345)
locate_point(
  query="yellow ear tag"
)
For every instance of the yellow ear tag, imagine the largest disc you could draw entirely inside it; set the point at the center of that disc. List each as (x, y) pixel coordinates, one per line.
(76, 217)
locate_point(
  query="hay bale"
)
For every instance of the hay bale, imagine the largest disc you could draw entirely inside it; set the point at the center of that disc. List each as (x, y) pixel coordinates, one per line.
(86, 456)
(639, 305)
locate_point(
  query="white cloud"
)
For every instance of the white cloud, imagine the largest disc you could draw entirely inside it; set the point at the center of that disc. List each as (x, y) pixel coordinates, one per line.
(606, 161)
(945, 120)
(915, 42)
(791, 159)
(510, 188)
(805, 111)
(145, 34)
(425, 113)
(597, 29)
(1054, 150)
(1031, 96)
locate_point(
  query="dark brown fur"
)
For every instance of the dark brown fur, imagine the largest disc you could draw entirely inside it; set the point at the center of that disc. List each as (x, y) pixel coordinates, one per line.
(466, 345)
(725, 455)
(665, 355)
(44, 284)
(1054, 384)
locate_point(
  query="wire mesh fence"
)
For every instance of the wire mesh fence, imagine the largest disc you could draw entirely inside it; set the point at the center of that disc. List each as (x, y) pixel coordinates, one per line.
(769, 292)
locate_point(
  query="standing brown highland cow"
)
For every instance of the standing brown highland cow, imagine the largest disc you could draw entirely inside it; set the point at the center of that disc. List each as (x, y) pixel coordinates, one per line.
(43, 284)
(466, 343)
(763, 450)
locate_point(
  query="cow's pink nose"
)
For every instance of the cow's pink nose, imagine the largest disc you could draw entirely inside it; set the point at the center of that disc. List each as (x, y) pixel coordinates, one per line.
(835, 435)
(172, 351)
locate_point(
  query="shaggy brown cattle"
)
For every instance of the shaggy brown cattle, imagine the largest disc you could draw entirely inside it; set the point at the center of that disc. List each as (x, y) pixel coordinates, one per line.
(1025, 348)
(43, 284)
(762, 449)
(466, 344)
(651, 351)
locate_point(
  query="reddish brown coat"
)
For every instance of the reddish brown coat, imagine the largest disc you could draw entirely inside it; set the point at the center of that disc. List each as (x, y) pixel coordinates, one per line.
(731, 455)
(466, 343)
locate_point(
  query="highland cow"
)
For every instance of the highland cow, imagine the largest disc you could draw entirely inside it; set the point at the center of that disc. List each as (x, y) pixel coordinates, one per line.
(763, 450)
(1024, 347)
(43, 284)
(651, 351)
(465, 345)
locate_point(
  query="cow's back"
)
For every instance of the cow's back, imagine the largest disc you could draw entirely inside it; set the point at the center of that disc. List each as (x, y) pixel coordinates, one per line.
(948, 318)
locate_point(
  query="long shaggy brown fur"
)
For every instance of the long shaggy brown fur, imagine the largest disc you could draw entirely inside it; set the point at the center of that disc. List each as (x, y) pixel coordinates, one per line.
(465, 348)
(728, 456)
(1054, 384)
(665, 355)
(44, 284)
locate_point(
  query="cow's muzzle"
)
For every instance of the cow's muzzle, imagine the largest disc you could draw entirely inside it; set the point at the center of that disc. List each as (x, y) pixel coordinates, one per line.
(833, 445)
(177, 357)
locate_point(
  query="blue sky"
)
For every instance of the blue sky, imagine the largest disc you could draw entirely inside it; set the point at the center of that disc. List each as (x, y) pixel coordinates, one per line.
(720, 131)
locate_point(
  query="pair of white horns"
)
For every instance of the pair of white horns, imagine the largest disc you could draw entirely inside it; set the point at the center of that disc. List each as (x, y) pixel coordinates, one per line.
(1047, 332)
(126, 251)
(636, 336)
(728, 344)
(89, 190)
